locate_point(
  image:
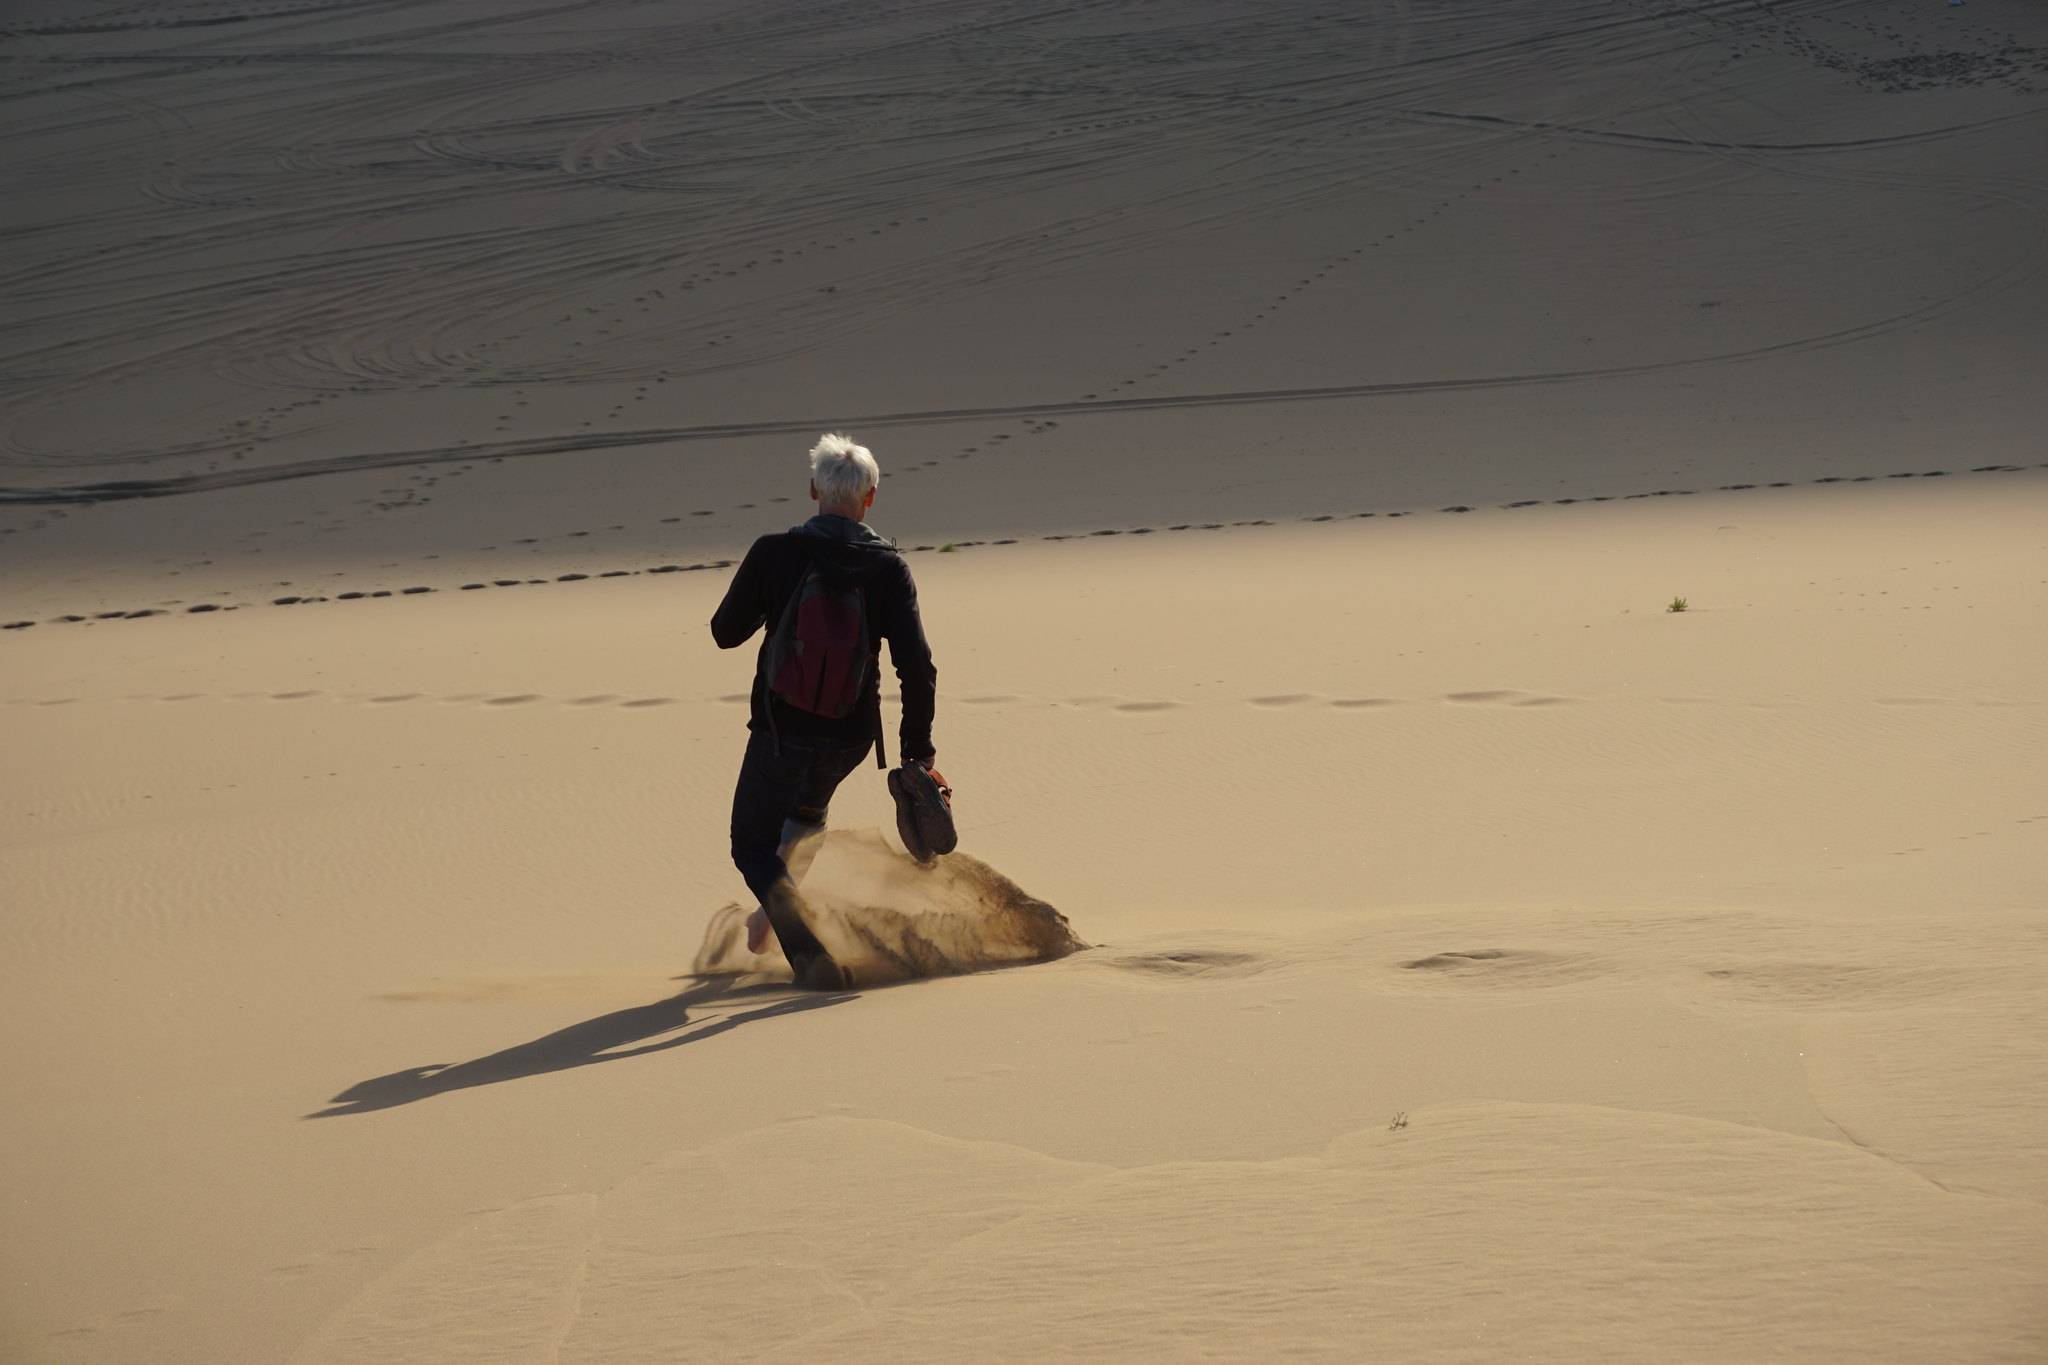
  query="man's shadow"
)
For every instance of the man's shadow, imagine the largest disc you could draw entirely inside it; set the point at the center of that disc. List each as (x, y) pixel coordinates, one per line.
(603, 1039)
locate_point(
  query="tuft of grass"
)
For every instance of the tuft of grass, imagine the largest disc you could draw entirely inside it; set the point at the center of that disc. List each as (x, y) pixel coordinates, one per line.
(1677, 604)
(1398, 1122)
(948, 548)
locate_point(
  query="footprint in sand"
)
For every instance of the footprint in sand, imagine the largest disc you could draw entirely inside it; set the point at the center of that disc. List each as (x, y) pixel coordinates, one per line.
(1283, 699)
(1506, 697)
(1499, 967)
(1454, 960)
(1143, 707)
(1186, 963)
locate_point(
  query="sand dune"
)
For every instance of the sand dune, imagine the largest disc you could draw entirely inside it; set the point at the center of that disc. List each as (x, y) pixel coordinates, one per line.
(1299, 419)
(1016, 1255)
(449, 262)
(1743, 902)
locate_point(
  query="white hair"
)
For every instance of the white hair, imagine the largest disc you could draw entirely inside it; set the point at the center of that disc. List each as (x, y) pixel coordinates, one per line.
(843, 473)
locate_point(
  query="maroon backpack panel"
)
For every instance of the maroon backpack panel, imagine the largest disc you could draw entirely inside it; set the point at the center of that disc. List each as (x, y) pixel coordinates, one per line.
(819, 657)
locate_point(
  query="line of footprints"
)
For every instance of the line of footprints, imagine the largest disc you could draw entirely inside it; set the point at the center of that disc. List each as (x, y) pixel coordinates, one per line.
(1275, 701)
(1129, 705)
(294, 600)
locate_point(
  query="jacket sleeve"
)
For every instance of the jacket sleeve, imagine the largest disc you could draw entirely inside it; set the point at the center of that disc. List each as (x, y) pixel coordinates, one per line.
(745, 606)
(915, 673)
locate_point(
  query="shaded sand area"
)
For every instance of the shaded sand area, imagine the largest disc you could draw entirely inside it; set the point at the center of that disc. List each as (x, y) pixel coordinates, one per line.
(1300, 418)
(555, 290)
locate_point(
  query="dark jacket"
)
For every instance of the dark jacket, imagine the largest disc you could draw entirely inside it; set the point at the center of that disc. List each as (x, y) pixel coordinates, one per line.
(763, 585)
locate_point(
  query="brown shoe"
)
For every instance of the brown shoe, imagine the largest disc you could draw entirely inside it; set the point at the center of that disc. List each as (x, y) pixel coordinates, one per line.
(924, 812)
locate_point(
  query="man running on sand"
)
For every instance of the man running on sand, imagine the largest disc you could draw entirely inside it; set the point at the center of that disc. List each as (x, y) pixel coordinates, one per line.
(828, 592)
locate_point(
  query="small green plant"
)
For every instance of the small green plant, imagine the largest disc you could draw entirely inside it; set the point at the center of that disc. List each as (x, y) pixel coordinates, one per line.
(1677, 604)
(948, 548)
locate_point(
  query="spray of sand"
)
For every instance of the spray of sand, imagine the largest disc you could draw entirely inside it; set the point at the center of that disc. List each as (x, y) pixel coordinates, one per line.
(887, 918)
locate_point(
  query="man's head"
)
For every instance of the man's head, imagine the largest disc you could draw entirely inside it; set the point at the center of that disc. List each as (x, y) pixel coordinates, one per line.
(844, 477)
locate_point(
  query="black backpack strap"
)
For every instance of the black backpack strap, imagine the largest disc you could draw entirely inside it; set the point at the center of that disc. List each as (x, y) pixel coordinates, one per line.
(767, 658)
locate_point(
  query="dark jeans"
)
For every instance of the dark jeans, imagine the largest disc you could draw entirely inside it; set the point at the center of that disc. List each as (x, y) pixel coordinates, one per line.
(781, 797)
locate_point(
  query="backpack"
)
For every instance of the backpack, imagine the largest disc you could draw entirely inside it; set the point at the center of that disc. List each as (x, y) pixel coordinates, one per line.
(818, 659)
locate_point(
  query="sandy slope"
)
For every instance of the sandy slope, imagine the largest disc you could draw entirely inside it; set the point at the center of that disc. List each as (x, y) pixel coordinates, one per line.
(1700, 952)
(1322, 401)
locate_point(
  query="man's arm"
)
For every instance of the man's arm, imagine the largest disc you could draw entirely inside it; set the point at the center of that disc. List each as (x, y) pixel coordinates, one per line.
(912, 656)
(745, 606)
